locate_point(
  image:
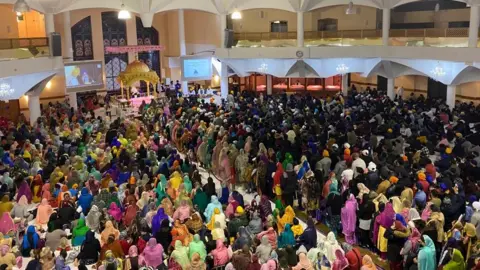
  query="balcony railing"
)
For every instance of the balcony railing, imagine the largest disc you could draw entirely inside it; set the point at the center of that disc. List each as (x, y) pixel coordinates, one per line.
(399, 37)
(20, 48)
(17, 43)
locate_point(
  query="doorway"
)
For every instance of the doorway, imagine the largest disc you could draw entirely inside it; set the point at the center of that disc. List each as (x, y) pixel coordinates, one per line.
(436, 89)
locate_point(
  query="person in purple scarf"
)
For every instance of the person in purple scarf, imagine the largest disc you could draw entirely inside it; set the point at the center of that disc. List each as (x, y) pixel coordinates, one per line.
(157, 220)
(24, 189)
(382, 222)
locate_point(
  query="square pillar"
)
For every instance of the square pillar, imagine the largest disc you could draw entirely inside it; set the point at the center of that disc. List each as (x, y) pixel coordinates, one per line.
(269, 85)
(67, 36)
(223, 28)
(451, 95)
(345, 84)
(72, 98)
(391, 88)
(300, 30)
(473, 28)
(224, 81)
(183, 46)
(34, 108)
(385, 26)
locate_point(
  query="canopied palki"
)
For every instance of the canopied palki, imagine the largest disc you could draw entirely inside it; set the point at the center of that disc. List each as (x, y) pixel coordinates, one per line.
(135, 72)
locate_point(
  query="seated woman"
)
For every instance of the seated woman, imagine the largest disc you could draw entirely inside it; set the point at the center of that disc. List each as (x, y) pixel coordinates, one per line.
(90, 249)
(112, 245)
(43, 212)
(79, 233)
(153, 254)
(31, 241)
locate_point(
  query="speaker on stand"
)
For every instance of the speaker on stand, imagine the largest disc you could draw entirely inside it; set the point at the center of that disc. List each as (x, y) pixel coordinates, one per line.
(228, 38)
(55, 44)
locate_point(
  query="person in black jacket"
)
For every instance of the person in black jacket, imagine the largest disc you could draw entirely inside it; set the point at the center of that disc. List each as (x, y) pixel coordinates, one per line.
(396, 235)
(365, 214)
(289, 185)
(334, 204)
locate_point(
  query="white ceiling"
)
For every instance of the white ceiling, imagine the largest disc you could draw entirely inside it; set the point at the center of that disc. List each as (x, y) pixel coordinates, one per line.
(213, 6)
(454, 72)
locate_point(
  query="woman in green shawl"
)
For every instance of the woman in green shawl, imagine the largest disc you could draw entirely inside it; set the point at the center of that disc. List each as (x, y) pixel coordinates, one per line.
(79, 232)
(187, 184)
(288, 160)
(456, 262)
(200, 200)
(160, 190)
(197, 246)
(426, 255)
(180, 254)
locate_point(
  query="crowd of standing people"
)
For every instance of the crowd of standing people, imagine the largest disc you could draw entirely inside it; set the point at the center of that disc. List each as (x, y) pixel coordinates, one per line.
(396, 177)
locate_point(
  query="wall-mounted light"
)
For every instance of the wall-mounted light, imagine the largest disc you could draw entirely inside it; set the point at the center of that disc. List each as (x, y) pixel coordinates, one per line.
(236, 15)
(276, 21)
(48, 85)
(216, 78)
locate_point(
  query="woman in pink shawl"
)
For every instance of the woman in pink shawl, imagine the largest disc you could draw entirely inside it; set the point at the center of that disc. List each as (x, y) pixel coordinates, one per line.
(349, 219)
(216, 157)
(115, 212)
(153, 253)
(43, 212)
(224, 170)
(427, 211)
(231, 207)
(46, 194)
(382, 222)
(24, 190)
(6, 223)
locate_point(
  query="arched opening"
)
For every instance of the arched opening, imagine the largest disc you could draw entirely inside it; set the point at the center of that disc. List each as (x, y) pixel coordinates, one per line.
(82, 42)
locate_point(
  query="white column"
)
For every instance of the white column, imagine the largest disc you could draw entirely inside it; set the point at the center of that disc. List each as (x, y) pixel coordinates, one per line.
(300, 30)
(72, 98)
(224, 81)
(223, 26)
(49, 23)
(345, 84)
(385, 26)
(391, 88)
(67, 33)
(183, 46)
(269, 85)
(147, 19)
(473, 29)
(451, 95)
(34, 108)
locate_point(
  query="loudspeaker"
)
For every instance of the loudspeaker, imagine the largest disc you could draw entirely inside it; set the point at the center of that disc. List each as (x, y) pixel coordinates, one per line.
(55, 44)
(228, 38)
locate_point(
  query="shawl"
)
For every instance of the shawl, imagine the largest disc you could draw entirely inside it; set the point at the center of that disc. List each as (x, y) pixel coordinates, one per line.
(385, 219)
(93, 218)
(195, 223)
(6, 223)
(331, 245)
(368, 263)
(34, 236)
(157, 220)
(109, 230)
(153, 253)
(456, 262)
(349, 215)
(198, 247)
(6, 205)
(426, 255)
(24, 190)
(81, 229)
(44, 211)
(180, 254)
(115, 212)
(286, 237)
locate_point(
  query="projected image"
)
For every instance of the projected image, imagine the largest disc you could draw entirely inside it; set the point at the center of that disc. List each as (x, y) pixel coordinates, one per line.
(85, 74)
(197, 69)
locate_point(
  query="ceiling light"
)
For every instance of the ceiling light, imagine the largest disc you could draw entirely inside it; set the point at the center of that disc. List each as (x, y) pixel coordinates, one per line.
(49, 85)
(124, 14)
(342, 68)
(19, 13)
(263, 68)
(236, 15)
(351, 9)
(21, 6)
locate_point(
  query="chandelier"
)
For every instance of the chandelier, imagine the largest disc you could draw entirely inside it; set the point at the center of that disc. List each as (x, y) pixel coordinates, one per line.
(5, 91)
(438, 71)
(342, 68)
(263, 68)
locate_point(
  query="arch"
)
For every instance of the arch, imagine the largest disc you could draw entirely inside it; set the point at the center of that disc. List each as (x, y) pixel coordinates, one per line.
(114, 34)
(82, 41)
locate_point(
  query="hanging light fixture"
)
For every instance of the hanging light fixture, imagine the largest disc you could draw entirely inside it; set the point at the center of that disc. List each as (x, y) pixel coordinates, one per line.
(342, 69)
(124, 14)
(351, 9)
(438, 72)
(236, 15)
(21, 6)
(437, 7)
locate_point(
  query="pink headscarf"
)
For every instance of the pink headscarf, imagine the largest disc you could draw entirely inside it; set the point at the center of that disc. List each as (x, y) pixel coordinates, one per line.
(349, 215)
(414, 237)
(133, 251)
(340, 262)
(43, 213)
(385, 219)
(6, 223)
(46, 192)
(115, 212)
(153, 253)
(269, 265)
(427, 211)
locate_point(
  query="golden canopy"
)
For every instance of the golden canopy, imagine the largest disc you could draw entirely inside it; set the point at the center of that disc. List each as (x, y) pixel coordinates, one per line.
(138, 71)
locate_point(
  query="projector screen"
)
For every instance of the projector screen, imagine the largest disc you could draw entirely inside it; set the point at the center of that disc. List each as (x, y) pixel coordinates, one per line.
(86, 75)
(194, 69)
